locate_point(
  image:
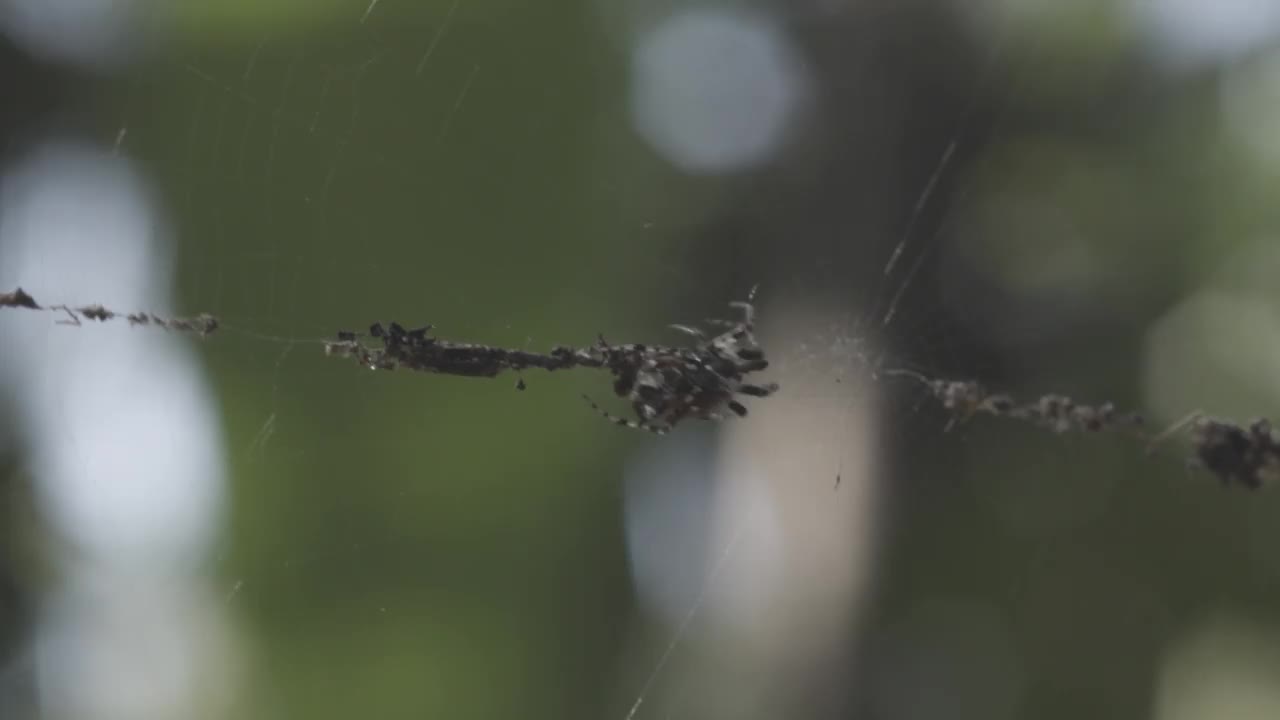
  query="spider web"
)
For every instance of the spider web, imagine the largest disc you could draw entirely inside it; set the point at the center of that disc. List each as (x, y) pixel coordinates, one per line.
(445, 544)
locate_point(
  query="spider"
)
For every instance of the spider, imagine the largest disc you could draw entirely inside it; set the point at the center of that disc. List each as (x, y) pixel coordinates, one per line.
(668, 384)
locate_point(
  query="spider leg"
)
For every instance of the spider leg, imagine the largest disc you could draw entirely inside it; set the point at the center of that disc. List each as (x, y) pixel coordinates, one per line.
(1173, 429)
(698, 412)
(903, 372)
(624, 422)
(689, 331)
(737, 407)
(748, 311)
(758, 390)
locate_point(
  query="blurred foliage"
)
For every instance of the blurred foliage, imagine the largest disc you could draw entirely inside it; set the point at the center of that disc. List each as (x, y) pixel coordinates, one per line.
(407, 546)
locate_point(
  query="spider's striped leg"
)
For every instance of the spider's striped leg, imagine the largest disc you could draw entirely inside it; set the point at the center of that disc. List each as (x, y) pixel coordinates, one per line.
(1188, 421)
(705, 413)
(758, 390)
(721, 322)
(689, 331)
(748, 312)
(689, 408)
(700, 413)
(624, 422)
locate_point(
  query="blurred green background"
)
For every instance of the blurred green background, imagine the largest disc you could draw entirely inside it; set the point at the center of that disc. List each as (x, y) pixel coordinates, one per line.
(1082, 197)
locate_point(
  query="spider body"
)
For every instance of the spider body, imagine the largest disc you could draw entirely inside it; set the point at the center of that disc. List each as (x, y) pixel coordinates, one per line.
(669, 384)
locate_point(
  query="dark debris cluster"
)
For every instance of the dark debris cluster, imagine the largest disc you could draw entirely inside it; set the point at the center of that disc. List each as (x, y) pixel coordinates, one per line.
(1247, 455)
(201, 325)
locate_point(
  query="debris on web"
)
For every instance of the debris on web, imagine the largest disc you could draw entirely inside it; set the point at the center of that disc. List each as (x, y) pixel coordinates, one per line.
(1247, 455)
(667, 384)
(664, 384)
(202, 325)
(964, 399)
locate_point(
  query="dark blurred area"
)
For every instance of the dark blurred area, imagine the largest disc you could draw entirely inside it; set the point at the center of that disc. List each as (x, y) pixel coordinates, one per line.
(1048, 198)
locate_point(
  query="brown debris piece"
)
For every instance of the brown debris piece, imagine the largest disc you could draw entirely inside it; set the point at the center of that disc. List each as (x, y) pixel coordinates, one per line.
(19, 299)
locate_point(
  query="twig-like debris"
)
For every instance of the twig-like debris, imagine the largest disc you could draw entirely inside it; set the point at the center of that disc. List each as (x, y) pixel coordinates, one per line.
(665, 384)
(201, 325)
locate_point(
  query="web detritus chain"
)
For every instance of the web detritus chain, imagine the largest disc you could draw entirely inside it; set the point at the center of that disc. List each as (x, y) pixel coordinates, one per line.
(1059, 413)
(665, 384)
(1236, 454)
(202, 325)
(668, 384)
